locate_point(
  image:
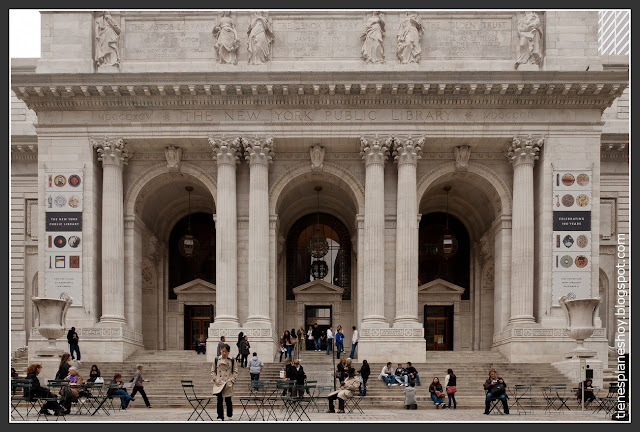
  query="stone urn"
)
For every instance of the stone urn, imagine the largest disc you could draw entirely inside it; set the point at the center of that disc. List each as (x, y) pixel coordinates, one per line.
(51, 315)
(581, 314)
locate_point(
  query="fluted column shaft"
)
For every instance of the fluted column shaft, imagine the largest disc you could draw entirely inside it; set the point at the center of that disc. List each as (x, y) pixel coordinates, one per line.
(258, 153)
(225, 153)
(374, 152)
(523, 154)
(114, 156)
(406, 154)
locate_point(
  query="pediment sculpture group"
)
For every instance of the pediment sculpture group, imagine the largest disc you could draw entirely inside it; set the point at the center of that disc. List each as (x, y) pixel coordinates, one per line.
(261, 37)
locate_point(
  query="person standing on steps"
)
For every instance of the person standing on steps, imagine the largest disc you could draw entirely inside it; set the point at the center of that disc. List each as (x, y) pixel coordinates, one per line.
(317, 334)
(450, 387)
(302, 339)
(354, 342)
(365, 371)
(220, 345)
(244, 351)
(240, 339)
(310, 343)
(73, 338)
(339, 342)
(138, 382)
(255, 367)
(329, 339)
(223, 375)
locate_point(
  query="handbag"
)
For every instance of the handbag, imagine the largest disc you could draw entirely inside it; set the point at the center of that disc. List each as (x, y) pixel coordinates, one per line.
(451, 390)
(283, 374)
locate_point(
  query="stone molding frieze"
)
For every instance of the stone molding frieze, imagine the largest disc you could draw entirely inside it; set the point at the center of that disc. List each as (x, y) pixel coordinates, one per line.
(111, 151)
(28, 152)
(524, 149)
(614, 151)
(101, 333)
(31, 249)
(391, 333)
(233, 332)
(523, 334)
(31, 206)
(225, 150)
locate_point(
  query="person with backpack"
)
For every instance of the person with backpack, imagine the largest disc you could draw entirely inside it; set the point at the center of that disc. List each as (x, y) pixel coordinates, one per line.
(496, 389)
(223, 375)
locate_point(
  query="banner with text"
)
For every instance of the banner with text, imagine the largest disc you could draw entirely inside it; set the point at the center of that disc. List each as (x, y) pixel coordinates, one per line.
(63, 232)
(572, 202)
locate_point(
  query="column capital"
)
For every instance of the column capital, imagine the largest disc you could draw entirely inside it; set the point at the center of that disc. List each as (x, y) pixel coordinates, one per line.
(258, 151)
(225, 150)
(111, 151)
(524, 149)
(375, 150)
(407, 150)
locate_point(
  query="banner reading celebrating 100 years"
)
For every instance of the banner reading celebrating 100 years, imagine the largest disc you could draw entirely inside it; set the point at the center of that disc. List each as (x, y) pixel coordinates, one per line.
(571, 234)
(63, 233)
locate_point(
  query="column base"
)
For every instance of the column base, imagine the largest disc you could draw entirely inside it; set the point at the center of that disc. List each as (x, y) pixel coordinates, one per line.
(407, 322)
(522, 321)
(225, 322)
(374, 322)
(112, 319)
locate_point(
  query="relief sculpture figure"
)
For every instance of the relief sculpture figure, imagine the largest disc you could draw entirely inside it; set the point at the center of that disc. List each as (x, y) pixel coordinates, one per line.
(260, 39)
(227, 42)
(107, 35)
(408, 48)
(372, 49)
(530, 37)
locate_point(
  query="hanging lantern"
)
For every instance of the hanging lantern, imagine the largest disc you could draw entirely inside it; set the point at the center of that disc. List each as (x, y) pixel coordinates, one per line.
(318, 245)
(188, 245)
(449, 241)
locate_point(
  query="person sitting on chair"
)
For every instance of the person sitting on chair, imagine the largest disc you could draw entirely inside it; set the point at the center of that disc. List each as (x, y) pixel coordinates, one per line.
(496, 389)
(588, 392)
(125, 398)
(72, 392)
(347, 388)
(37, 391)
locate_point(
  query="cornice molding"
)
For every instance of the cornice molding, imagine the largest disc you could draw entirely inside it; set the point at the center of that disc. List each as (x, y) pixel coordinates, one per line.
(27, 152)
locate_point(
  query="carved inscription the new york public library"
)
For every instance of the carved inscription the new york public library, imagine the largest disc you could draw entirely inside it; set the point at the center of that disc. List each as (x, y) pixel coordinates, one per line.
(175, 39)
(468, 38)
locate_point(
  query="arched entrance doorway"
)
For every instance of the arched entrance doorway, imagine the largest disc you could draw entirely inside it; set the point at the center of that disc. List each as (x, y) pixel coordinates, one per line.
(455, 297)
(160, 284)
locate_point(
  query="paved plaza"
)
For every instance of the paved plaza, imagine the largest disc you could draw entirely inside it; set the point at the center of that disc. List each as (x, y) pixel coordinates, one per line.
(427, 415)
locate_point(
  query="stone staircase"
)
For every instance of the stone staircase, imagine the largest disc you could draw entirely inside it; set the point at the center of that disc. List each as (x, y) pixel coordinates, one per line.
(165, 369)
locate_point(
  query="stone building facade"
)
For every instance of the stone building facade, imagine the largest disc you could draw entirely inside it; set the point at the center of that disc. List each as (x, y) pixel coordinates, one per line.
(253, 111)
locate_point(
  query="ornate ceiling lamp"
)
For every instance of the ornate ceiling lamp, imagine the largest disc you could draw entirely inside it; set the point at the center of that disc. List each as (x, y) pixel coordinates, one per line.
(188, 244)
(449, 241)
(318, 246)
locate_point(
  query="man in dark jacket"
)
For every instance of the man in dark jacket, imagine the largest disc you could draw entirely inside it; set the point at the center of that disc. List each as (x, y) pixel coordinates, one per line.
(244, 351)
(413, 373)
(72, 338)
(317, 333)
(299, 376)
(496, 389)
(289, 372)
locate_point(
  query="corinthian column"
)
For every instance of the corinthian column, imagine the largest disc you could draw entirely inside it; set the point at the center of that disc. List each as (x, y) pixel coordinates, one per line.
(406, 154)
(225, 153)
(523, 153)
(374, 152)
(114, 156)
(258, 153)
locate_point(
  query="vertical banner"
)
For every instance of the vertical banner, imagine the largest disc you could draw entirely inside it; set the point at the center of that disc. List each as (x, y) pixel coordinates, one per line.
(572, 201)
(63, 234)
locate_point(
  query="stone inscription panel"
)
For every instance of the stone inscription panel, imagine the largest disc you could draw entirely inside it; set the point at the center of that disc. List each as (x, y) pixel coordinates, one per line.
(468, 38)
(319, 38)
(163, 39)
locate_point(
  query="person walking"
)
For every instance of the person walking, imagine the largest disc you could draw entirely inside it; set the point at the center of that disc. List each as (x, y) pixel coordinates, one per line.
(354, 342)
(339, 342)
(138, 382)
(255, 367)
(317, 335)
(365, 371)
(240, 339)
(73, 338)
(329, 339)
(450, 387)
(244, 351)
(223, 375)
(286, 339)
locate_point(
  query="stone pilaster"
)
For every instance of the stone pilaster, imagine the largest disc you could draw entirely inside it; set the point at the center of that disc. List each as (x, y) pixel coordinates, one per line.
(374, 151)
(406, 153)
(523, 153)
(113, 154)
(258, 152)
(225, 153)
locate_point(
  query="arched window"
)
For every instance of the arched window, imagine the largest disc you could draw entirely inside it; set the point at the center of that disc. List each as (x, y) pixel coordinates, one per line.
(338, 258)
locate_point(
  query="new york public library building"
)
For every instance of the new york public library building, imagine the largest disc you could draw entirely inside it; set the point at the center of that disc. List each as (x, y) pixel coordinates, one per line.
(437, 179)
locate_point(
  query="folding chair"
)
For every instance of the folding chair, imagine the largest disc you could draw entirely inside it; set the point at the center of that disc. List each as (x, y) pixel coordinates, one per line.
(23, 392)
(288, 403)
(195, 401)
(495, 404)
(558, 394)
(353, 403)
(608, 402)
(54, 387)
(521, 394)
(318, 396)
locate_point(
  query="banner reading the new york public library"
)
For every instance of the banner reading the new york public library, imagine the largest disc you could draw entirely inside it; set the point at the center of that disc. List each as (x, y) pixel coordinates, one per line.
(572, 201)
(63, 233)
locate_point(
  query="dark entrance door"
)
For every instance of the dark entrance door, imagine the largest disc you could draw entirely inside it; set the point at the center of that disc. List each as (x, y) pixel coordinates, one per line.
(197, 320)
(438, 327)
(320, 315)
